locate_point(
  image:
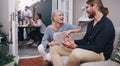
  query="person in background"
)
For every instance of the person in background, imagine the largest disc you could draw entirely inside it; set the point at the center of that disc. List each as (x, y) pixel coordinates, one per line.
(57, 25)
(20, 17)
(96, 45)
(27, 15)
(36, 35)
(20, 22)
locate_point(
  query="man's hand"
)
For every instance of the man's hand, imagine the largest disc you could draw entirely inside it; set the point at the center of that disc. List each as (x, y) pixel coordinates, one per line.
(68, 42)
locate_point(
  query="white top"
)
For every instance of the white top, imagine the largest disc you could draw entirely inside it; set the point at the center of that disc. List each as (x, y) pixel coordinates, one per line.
(27, 13)
(41, 24)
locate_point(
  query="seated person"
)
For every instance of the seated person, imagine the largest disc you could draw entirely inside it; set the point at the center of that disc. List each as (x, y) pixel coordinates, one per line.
(57, 25)
(96, 45)
(37, 34)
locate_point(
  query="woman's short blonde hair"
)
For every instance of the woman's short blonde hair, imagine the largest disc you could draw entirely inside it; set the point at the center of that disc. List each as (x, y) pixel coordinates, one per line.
(53, 14)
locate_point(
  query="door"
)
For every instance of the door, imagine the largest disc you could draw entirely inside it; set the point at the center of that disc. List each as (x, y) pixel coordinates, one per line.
(13, 48)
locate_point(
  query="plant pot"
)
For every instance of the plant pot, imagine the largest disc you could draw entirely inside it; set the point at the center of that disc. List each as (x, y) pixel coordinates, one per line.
(10, 64)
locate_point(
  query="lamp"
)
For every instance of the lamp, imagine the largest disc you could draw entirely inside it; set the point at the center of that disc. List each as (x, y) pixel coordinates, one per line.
(83, 20)
(84, 16)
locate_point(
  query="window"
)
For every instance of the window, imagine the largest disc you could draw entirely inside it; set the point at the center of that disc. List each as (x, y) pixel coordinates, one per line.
(67, 7)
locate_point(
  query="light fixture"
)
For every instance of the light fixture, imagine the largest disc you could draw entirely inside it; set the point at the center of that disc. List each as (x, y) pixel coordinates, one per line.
(83, 20)
(84, 16)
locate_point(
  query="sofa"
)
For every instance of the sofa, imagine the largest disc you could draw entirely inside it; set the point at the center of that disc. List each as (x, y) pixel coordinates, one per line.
(59, 36)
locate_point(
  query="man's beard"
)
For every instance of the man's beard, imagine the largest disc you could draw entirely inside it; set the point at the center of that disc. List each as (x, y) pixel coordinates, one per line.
(91, 15)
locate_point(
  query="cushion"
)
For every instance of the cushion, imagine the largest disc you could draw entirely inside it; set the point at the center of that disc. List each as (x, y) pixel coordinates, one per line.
(116, 54)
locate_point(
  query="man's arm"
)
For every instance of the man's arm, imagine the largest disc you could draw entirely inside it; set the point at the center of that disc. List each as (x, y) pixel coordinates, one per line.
(100, 41)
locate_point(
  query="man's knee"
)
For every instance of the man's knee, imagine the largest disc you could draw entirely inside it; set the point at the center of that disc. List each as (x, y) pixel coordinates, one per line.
(74, 53)
(74, 56)
(53, 49)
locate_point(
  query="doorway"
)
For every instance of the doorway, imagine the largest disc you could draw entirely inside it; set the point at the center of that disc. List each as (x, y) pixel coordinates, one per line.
(44, 7)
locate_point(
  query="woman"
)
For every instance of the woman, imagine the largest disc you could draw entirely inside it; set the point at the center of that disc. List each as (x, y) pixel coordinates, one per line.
(57, 25)
(37, 34)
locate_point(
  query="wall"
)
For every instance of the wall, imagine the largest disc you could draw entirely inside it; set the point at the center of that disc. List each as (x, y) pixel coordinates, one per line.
(4, 19)
(7, 7)
(113, 6)
(77, 11)
(45, 8)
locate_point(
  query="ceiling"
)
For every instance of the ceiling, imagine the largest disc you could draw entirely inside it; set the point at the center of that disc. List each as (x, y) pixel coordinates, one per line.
(23, 3)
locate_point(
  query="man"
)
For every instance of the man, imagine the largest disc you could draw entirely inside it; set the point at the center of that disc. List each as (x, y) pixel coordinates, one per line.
(97, 44)
(27, 15)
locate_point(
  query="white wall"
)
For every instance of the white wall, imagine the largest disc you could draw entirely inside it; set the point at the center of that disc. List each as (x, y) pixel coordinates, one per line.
(4, 19)
(7, 7)
(77, 11)
(113, 6)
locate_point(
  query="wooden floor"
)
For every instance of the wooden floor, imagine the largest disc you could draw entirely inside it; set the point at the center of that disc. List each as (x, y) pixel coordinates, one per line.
(33, 62)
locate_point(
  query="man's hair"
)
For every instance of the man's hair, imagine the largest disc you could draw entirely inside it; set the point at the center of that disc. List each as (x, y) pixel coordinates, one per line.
(27, 7)
(99, 3)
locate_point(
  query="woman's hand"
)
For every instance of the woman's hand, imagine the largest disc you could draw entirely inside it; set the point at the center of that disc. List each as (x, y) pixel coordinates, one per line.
(32, 23)
(67, 33)
(52, 43)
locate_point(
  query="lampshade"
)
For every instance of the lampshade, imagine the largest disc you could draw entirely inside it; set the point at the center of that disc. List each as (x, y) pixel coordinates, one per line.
(84, 16)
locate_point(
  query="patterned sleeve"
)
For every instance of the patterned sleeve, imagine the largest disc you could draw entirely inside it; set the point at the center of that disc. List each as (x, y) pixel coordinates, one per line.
(45, 38)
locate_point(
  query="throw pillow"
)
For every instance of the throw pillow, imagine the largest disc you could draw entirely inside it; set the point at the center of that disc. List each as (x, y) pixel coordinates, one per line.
(116, 54)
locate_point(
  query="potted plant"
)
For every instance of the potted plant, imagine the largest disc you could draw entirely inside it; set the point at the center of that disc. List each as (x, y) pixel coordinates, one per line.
(5, 58)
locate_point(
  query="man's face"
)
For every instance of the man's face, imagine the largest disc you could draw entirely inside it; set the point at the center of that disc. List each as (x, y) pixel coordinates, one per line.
(90, 11)
(26, 8)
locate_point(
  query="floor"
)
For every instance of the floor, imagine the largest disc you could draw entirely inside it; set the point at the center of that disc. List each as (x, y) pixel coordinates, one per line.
(37, 61)
(25, 50)
(29, 55)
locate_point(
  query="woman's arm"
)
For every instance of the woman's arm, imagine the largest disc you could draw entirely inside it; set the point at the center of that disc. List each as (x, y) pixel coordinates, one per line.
(32, 23)
(68, 32)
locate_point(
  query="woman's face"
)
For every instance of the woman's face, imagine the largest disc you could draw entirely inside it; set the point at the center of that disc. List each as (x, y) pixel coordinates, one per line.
(36, 17)
(58, 17)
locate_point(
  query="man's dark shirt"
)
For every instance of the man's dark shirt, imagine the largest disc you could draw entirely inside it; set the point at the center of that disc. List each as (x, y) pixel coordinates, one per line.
(99, 38)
